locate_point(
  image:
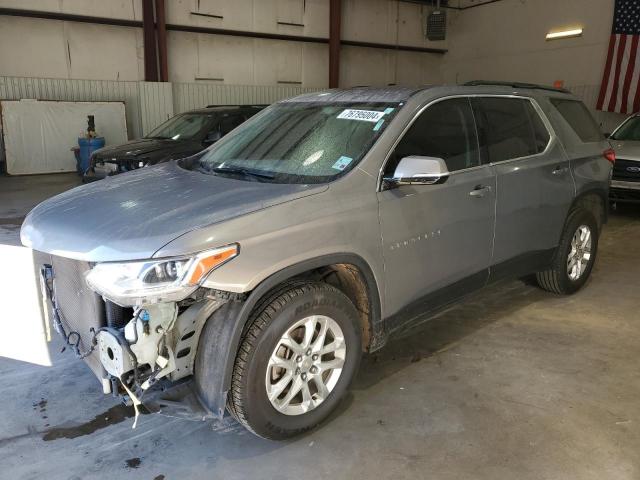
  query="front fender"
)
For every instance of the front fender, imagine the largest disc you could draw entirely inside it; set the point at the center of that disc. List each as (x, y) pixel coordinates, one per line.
(222, 334)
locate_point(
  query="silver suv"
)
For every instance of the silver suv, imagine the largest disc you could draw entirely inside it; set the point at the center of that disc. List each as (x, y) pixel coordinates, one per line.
(259, 270)
(625, 181)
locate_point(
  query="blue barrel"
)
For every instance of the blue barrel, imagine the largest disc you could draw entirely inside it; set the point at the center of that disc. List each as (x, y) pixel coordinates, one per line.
(87, 147)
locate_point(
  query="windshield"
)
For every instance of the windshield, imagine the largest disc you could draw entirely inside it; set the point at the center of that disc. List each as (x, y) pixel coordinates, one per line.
(183, 127)
(299, 142)
(629, 130)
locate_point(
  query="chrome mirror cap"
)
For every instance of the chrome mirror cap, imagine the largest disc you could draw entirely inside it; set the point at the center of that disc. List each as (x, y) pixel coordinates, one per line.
(416, 170)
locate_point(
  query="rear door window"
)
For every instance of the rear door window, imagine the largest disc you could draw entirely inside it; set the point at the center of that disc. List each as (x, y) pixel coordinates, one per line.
(444, 130)
(579, 119)
(512, 128)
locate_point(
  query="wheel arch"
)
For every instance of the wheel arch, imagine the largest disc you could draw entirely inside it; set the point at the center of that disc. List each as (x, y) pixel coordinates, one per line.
(348, 270)
(596, 201)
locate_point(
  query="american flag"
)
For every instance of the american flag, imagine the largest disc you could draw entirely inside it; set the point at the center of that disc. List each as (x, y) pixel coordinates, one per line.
(620, 90)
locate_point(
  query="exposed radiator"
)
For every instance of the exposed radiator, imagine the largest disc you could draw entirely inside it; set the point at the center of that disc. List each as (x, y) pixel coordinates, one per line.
(82, 309)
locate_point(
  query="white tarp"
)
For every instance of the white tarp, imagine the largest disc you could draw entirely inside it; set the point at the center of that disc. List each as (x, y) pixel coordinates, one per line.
(39, 135)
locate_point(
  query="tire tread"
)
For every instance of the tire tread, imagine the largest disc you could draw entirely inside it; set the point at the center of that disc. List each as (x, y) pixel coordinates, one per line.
(550, 279)
(265, 313)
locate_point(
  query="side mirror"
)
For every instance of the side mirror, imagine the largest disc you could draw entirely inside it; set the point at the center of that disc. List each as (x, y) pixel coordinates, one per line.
(416, 170)
(213, 137)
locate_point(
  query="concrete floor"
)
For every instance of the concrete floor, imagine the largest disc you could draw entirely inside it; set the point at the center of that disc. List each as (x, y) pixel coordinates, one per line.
(514, 383)
(18, 195)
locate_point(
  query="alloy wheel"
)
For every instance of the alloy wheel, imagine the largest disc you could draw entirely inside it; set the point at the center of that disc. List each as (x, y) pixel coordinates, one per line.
(580, 253)
(305, 365)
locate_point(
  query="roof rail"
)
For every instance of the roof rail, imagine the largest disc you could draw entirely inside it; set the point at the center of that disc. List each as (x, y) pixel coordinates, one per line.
(239, 105)
(532, 86)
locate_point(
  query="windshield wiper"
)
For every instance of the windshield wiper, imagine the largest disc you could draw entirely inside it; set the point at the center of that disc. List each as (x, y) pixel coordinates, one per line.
(242, 171)
(160, 137)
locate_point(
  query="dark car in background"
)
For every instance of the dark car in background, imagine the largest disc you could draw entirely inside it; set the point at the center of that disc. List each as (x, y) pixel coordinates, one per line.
(181, 136)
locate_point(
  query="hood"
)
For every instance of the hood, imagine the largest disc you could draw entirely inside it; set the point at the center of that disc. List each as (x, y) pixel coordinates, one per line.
(149, 150)
(131, 216)
(626, 149)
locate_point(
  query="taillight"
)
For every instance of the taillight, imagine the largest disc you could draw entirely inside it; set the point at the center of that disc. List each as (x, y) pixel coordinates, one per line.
(610, 155)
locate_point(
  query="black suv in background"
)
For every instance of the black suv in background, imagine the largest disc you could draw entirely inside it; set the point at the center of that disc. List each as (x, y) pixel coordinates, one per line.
(181, 136)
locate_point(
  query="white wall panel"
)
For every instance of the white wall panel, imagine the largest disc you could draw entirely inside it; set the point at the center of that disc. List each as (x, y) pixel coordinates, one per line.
(156, 104)
(371, 21)
(375, 67)
(315, 65)
(290, 11)
(506, 40)
(147, 103)
(121, 9)
(33, 47)
(225, 59)
(16, 88)
(253, 15)
(38, 136)
(100, 52)
(245, 61)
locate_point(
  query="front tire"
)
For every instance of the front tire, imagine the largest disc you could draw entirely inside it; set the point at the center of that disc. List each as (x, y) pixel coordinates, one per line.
(296, 361)
(575, 256)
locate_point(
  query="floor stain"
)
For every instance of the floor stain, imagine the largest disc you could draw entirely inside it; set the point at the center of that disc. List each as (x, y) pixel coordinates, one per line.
(159, 477)
(114, 415)
(42, 405)
(133, 462)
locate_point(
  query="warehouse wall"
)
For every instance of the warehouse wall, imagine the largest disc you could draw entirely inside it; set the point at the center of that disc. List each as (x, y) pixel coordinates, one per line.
(58, 49)
(147, 104)
(49, 48)
(505, 40)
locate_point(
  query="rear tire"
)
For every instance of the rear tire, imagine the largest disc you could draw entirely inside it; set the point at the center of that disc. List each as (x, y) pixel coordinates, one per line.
(575, 256)
(296, 361)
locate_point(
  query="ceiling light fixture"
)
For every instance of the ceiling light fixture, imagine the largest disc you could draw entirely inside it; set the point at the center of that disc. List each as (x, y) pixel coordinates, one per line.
(574, 32)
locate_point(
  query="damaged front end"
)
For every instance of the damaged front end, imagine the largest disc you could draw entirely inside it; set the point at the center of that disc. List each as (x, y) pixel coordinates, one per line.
(134, 323)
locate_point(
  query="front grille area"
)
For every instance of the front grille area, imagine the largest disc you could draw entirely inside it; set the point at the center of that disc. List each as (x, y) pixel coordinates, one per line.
(81, 308)
(624, 195)
(625, 170)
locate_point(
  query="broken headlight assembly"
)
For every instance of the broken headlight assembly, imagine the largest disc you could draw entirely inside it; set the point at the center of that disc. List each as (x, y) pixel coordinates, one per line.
(152, 281)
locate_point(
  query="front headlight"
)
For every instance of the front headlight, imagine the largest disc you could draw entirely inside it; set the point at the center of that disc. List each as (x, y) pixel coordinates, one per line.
(153, 281)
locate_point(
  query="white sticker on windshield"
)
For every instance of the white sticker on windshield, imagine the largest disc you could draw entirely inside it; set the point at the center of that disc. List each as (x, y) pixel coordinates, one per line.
(342, 163)
(362, 115)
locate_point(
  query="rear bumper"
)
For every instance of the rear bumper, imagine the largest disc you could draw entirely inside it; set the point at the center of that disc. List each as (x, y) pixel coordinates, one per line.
(621, 191)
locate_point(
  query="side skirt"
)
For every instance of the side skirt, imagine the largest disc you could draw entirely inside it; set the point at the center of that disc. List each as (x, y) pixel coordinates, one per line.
(435, 302)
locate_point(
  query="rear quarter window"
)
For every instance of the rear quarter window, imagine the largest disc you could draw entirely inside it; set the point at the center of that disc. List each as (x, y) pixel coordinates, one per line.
(579, 119)
(512, 128)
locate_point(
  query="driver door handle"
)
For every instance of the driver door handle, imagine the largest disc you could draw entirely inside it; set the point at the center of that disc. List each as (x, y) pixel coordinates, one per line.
(560, 170)
(480, 191)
